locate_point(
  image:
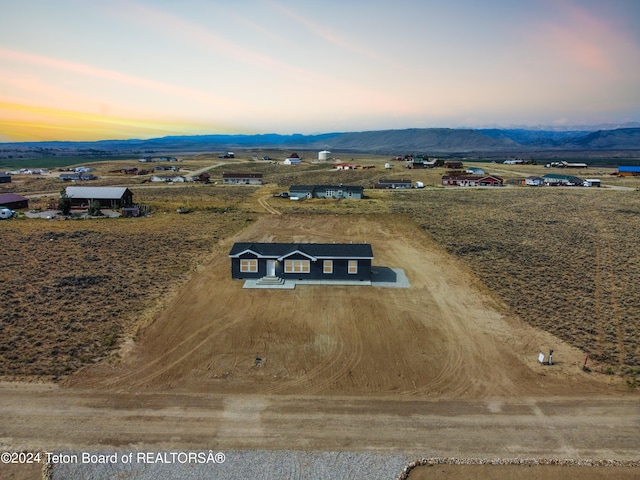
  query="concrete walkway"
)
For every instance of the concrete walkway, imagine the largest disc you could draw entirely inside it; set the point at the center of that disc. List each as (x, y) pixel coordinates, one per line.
(381, 277)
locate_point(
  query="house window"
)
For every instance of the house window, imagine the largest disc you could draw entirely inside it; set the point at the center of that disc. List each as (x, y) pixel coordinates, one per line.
(327, 266)
(249, 265)
(296, 266)
(353, 266)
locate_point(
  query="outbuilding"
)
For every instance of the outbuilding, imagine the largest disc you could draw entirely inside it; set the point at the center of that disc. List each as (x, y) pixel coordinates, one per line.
(14, 201)
(5, 178)
(108, 197)
(303, 261)
(628, 171)
(453, 165)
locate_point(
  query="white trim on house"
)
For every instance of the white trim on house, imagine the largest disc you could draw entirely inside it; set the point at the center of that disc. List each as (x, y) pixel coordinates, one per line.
(310, 257)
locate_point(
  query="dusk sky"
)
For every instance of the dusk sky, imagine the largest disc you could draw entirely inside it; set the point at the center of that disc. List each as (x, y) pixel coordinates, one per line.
(90, 70)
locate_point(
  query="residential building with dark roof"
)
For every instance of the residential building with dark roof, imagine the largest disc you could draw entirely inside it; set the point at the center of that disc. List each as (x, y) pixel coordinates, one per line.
(242, 178)
(326, 191)
(305, 261)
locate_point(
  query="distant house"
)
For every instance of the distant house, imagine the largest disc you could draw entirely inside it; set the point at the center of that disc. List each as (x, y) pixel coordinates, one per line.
(345, 166)
(534, 181)
(168, 178)
(13, 201)
(312, 261)
(475, 171)
(629, 171)
(554, 180)
(171, 168)
(468, 180)
(75, 177)
(394, 183)
(109, 197)
(564, 164)
(242, 178)
(419, 162)
(292, 161)
(5, 178)
(453, 165)
(204, 177)
(326, 191)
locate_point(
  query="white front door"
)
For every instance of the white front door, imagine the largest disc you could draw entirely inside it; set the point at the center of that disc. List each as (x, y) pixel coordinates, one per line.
(271, 268)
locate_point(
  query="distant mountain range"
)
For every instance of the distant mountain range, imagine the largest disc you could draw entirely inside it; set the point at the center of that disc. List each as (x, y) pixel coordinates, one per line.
(415, 140)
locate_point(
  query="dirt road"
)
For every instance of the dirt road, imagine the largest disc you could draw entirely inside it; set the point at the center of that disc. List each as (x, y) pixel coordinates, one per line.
(43, 417)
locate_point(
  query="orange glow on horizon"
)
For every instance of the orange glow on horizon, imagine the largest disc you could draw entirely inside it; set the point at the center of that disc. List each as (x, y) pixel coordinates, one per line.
(23, 123)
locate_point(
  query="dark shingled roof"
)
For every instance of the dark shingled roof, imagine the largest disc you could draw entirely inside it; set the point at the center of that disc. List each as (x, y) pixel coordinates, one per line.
(311, 188)
(11, 198)
(316, 250)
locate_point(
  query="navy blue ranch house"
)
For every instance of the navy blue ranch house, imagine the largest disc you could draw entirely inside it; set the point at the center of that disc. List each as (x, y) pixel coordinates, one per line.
(302, 261)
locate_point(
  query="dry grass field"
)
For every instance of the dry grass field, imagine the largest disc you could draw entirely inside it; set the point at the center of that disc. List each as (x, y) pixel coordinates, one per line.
(72, 290)
(562, 259)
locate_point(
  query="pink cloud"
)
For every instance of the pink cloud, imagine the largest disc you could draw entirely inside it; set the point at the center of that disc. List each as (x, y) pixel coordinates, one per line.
(114, 76)
(586, 40)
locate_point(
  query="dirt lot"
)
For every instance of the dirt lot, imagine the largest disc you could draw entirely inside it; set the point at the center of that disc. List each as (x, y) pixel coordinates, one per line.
(444, 337)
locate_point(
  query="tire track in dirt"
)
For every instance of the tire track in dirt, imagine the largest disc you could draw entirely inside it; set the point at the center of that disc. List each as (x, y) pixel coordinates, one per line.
(122, 379)
(451, 365)
(463, 365)
(331, 358)
(344, 356)
(349, 363)
(153, 364)
(263, 202)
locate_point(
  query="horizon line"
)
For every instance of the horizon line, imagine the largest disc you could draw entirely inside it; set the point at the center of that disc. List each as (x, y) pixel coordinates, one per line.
(551, 128)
